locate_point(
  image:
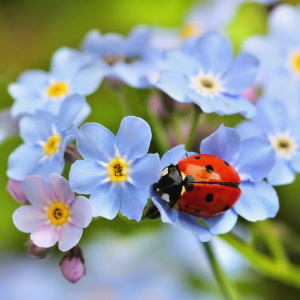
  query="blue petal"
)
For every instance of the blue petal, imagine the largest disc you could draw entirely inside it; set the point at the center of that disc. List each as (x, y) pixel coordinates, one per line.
(228, 105)
(88, 79)
(33, 78)
(173, 156)
(180, 62)
(190, 223)
(214, 52)
(105, 201)
(137, 40)
(50, 165)
(224, 143)
(282, 173)
(91, 42)
(36, 128)
(222, 224)
(65, 63)
(235, 81)
(23, 161)
(133, 138)
(83, 114)
(133, 201)
(176, 85)
(256, 159)
(112, 44)
(258, 201)
(204, 102)
(248, 129)
(69, 110)
(94, 141)
(167, 214)
(295, 162)
(86, 175)
(146, 170)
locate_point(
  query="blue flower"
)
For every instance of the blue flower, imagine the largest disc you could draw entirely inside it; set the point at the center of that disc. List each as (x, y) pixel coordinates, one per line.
(203, 72)
(116, 170)
(279, 54)
(274, 123)
(45, 137)
(69, 74)
(253, 159)
(130, 59)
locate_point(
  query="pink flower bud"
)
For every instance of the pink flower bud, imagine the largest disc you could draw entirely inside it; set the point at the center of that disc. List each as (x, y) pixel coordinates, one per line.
(37, 252)
(72, 265)
(250, 94)
(14, 187)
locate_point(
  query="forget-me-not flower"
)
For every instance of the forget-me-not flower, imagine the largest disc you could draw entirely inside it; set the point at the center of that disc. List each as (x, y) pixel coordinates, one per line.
(55, 214)
(253, 159)
(130, 59)
(279, 54)
(70, 73)
(45, 137)
(116, 170)
(203, 72)
(274, 123)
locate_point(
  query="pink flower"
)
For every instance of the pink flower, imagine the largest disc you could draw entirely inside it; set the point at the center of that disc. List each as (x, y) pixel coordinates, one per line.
(14, 187)
(55, 215)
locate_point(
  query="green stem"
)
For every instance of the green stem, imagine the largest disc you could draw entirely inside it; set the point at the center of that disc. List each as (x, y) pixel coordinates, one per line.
(158, 129)
(224, 283)
(283, 272)
(273, 242)
(123, 102)
(195, 120)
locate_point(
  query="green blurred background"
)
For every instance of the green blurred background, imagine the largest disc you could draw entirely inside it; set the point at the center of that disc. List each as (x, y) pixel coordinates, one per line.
(31, 30)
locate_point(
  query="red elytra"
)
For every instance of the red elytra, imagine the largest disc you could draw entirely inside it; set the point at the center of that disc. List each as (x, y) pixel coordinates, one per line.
(214, 186)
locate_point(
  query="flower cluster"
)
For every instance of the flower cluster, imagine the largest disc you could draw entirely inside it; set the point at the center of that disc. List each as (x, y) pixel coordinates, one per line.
(116, 173)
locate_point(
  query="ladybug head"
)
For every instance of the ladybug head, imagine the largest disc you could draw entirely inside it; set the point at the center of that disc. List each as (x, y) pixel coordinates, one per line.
(170, 185)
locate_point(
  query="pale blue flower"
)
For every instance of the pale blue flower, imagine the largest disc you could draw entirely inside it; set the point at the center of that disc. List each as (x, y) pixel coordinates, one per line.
(45, 137)
(116, 171)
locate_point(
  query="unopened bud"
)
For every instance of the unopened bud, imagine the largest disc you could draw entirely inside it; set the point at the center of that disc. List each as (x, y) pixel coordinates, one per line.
(72, 265)
(14, 187)
(37, 252)
(71, 154)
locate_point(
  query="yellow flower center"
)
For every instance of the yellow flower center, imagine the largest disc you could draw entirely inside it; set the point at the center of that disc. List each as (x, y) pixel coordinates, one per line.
(117, 170)
(58, 89)
(283, 145)
(188, 31)
(52, 145)
(58, 213)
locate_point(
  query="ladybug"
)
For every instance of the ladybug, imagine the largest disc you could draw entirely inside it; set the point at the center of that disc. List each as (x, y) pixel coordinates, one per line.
(201, 185)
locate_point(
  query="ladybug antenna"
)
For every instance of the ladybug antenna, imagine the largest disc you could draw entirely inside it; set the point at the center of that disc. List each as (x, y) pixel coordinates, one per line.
(186, 154)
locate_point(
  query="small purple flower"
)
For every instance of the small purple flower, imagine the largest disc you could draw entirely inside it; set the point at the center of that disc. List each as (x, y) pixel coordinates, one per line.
(72, 265)
(204, 72)
(46, 137)
(55, 214)
(274, 123)
(69, 74)
(253, 159)
(116, 171)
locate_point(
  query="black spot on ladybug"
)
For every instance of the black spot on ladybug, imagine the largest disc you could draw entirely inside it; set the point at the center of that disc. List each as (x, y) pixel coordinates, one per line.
(189, 187)
(226, 207)
(197, 211)
(226, 163)
(187, 206)
(209, 168)
(197, 157)
(189, 179)
(209, 197)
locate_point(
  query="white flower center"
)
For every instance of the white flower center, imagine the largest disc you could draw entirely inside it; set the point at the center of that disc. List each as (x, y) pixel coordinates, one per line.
(284, 145)
(206, 84)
